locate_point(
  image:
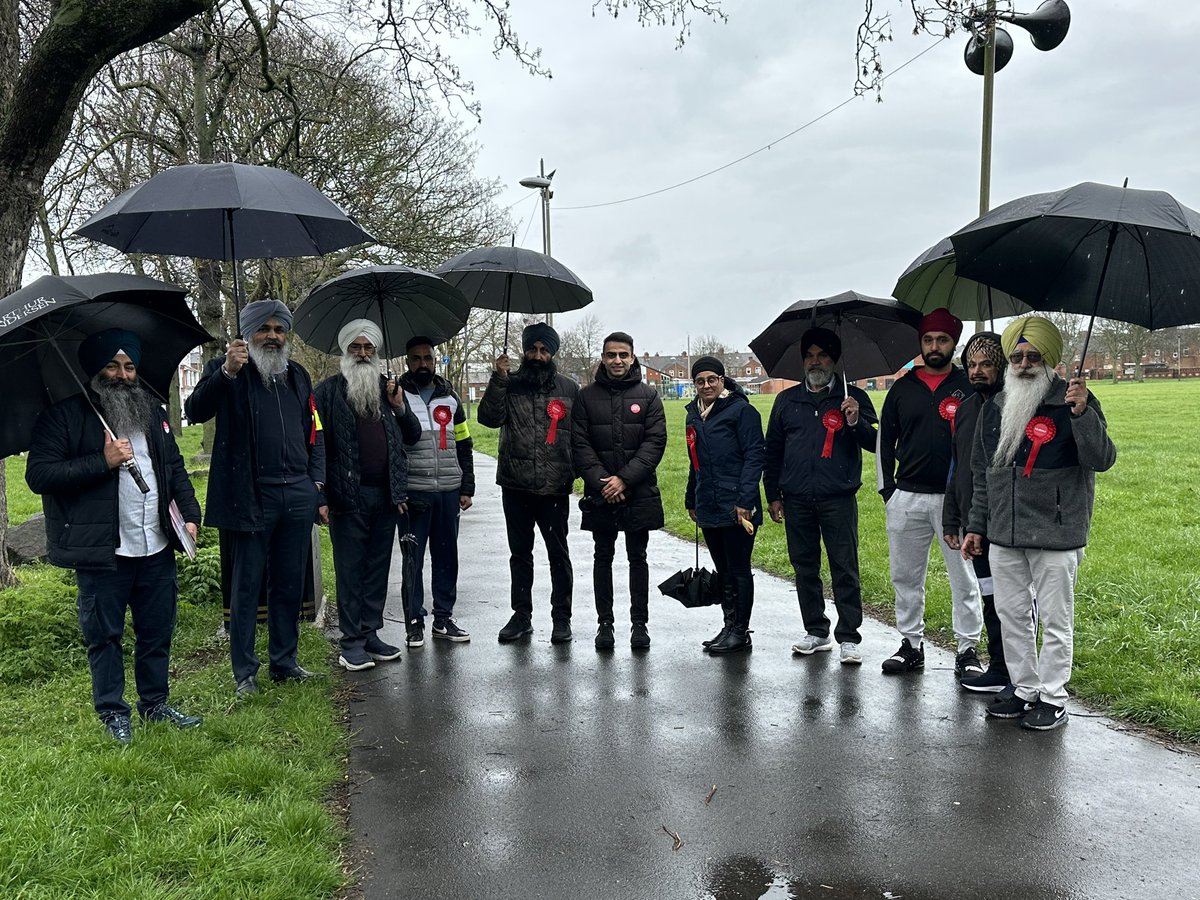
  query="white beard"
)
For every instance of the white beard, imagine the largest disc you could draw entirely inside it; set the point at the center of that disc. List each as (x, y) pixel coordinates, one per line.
(270, 363)
(1019, 402)
(362, 386)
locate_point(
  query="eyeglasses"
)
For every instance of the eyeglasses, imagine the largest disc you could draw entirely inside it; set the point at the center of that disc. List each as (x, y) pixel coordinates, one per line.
(704, 381)
(362, 348)
(1032, 356)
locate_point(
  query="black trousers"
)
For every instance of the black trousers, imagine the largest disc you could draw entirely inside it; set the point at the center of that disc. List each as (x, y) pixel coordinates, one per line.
(279, 553)
(435, 526)
(523, 511)
(834, 520)
(147, 586)
(991, 621)
(639, 575)
(362, 556)
(730, 548)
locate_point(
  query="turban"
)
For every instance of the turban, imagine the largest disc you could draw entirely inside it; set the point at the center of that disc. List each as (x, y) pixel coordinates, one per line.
(708, 364)
(989, 343)
(98, 350)
(941, 319)
(823, 338)
(364, 327)
(1040, 333)
(540, 331)
(254, 314)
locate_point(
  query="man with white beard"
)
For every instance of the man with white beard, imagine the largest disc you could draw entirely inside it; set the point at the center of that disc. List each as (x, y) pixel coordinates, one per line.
(265, 485)
(1037, 451)
(813, 469)
(366, 488)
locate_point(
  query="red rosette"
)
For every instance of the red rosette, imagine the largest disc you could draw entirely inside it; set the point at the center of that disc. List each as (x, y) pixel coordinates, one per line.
(947, 408)
(691, 442)
(1040, 430)
(834, 421)
(442, 415)
(557, 411)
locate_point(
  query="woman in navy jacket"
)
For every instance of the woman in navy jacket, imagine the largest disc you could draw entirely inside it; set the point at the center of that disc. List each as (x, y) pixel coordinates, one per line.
(725, 445)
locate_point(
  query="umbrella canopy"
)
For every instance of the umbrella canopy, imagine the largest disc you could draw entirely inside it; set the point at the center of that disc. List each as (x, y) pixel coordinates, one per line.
(1092, 249)
(878, 336)
(513, 279)
(56, 314)
(931, 282)
(403, 302)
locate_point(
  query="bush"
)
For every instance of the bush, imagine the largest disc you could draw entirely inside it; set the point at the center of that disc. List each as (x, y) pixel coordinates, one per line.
(200, 578)
(39, 627)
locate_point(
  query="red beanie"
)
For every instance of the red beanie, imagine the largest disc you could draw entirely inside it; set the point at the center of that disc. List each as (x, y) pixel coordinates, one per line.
(941, 319)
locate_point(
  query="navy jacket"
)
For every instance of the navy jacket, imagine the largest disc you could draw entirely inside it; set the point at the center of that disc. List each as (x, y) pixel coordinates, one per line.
(726, 459)
(796, 436)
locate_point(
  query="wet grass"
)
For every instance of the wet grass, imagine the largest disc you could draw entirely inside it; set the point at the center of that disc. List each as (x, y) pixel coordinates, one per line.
(1137, 622)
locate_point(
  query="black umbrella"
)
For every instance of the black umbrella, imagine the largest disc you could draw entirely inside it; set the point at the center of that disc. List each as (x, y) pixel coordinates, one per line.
(878, 336)
(1092, 249)
(403, 302)
(226, 211)
(513, 279)
(693, 587)
(43, 324)
(930, 282)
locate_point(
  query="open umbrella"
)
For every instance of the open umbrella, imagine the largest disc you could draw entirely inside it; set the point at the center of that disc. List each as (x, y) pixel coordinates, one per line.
(931, 282)
(403, 302)
(1092, 249)
(226, 211)
(878, 336)
(43, 324)
(513, 279)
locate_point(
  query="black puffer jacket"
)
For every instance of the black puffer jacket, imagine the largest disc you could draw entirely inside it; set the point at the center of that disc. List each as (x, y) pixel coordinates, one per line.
(535, 447)
(79, 491)
(619, 428)
(726, 451)
(342, 474)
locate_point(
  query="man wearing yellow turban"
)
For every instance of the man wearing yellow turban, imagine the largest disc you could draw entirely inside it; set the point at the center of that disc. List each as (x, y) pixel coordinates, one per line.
(1037, 451)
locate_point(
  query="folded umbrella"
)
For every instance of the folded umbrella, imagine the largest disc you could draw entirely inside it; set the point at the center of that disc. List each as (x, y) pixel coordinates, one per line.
(694, 586)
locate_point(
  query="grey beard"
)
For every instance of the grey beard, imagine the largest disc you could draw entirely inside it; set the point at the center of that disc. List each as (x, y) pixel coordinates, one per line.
(127, 406)
(818, 379)
(1019, 402)
(269, 363)
(362, 386)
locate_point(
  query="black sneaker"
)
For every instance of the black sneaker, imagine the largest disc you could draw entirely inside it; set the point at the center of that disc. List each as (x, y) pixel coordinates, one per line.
(639, 637)
(381, 651)
(604, 637)
(561, 632)
(162, 712)
(1044, 717)
(415, 633)
(906, 659)
(355, 660)
(1009, 707)
(518, 626)
(448, 630)
(993, 681)
(967, 664)
(119, 729)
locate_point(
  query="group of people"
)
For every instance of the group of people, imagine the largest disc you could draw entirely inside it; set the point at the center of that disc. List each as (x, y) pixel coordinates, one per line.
(994, 462)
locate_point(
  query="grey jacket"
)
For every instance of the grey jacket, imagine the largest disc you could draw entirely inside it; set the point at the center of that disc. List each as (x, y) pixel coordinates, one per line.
(1051, 507)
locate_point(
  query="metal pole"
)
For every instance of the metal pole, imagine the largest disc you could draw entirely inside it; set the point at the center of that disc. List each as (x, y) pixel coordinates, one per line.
(545, 224)
(985, 151)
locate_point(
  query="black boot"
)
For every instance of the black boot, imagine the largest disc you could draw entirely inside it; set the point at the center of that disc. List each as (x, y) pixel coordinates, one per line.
(725, 588)
(737, 638)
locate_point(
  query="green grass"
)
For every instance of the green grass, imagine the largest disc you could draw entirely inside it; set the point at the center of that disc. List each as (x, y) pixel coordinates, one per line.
(1137, 623)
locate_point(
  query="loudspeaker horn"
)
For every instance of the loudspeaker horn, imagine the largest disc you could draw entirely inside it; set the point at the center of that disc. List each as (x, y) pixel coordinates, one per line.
(1047, 25)
(973, 55)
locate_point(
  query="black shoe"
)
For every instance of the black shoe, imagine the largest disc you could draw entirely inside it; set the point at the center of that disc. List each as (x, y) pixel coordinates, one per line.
(448, 630)
(639, 637)
(1012, 707)
(119, 728)
(295, 673)
(247, 686)
(355, 660)
(415, 634)
(604, 637)
(967, 664)
(518, 626)
(993, 681)
(381, 651)
(1044, 717)
(906, 659)
(161, 712)
(561, 632)
(736, 640)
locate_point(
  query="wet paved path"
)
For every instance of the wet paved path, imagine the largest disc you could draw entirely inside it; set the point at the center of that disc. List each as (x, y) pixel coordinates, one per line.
(525, 771)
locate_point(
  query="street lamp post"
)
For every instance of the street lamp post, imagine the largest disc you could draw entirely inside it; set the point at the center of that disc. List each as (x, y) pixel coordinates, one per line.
(542, 183)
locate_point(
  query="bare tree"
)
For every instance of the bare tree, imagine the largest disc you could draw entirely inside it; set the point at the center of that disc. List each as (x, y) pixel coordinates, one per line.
(579, 350)
(941, 17)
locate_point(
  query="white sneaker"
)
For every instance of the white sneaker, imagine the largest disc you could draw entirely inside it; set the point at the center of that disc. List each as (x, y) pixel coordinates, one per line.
(851, 655)
(810, 644)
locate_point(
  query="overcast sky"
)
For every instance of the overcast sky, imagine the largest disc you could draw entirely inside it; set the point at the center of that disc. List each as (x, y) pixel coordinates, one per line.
(845, 204)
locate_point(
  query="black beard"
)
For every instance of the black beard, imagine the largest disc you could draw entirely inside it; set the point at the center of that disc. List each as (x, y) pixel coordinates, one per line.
(128, 407)
(423, 377)
(988, 390)
(534, 372)
(934, 360)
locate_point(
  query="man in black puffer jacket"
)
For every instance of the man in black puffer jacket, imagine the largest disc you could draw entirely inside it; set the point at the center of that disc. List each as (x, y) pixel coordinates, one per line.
(535, 473)
(618, 436)
(118, 538)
